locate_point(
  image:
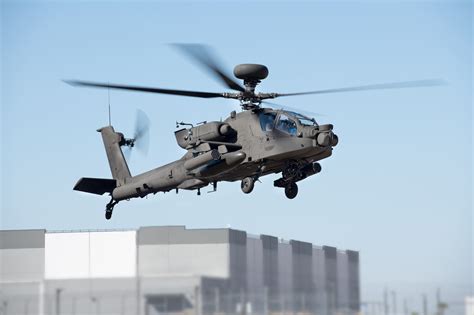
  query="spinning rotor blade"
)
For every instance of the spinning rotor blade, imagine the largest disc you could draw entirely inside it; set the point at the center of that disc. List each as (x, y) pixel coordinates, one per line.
(383, 86)
(204, 56)
(141, 138)
(127, 153)
(142, 132)
(145, 89)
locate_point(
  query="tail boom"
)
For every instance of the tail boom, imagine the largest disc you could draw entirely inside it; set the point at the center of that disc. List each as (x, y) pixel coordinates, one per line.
(117, 163)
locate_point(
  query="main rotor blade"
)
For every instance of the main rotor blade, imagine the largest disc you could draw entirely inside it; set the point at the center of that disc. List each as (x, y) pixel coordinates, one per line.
(145, 89)
(310, 114)
(203, 55)
(383, 86)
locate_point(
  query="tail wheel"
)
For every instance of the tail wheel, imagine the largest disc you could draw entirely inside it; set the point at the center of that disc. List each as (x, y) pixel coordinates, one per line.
(108, 214)
(109, 208)
(247, 185)
(291, 190)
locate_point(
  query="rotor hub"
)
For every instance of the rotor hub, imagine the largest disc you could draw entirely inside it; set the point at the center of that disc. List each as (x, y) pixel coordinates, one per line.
(252, 74)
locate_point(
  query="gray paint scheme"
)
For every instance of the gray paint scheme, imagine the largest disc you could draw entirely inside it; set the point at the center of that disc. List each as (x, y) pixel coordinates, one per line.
(289, 145)
(244, 150)
(117, 163)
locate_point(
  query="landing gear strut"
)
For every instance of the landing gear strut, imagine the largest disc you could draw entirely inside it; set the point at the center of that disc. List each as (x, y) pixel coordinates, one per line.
(109, 208)
(247, 185)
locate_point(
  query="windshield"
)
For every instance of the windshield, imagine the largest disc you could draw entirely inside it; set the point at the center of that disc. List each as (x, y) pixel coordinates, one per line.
(286, 124)
(267, 121)
(304, 120)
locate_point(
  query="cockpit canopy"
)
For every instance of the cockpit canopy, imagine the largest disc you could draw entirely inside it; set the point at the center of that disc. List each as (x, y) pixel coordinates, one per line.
(285, 121)
(303, 120)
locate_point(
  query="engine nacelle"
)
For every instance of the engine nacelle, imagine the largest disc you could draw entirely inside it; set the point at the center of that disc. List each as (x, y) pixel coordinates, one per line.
(211, 131)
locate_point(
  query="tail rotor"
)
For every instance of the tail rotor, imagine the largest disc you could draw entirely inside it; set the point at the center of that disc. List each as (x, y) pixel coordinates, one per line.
(141, 136)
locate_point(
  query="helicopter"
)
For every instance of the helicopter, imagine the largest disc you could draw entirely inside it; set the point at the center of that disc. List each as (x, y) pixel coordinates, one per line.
(247, 145)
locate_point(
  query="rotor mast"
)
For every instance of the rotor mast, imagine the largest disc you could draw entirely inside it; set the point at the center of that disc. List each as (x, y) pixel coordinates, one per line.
(252, 74)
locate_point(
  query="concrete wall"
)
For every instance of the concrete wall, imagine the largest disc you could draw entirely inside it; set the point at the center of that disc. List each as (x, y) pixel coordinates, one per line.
(22, 256)
(270, 263)
(354, 280)
(238, 260)
(91, 296)
(90, 254)
(319, 280)
(255, 266)
(343, 283)
(285, 273)
(330, 264)
(21, 271)
(177, 251)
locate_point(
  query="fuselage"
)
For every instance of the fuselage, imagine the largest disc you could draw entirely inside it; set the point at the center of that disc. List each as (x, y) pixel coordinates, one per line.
(260, 143)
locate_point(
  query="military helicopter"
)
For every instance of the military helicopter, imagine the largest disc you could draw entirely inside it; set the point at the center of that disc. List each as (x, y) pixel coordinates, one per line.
(247, 145)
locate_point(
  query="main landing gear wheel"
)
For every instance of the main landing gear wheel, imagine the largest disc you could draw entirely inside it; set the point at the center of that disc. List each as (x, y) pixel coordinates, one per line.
(291, 190)
(247, 185)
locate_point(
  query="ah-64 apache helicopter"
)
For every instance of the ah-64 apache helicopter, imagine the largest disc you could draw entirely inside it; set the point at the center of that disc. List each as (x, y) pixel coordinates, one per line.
(246, 146)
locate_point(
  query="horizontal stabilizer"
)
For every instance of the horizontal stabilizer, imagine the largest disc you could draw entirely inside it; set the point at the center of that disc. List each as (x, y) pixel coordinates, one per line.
(98, 186)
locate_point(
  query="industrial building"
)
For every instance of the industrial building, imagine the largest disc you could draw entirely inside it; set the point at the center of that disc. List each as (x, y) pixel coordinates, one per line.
(156, 270)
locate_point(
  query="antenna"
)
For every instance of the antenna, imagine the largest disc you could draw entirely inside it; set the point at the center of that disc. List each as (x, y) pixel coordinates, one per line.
(108, 94)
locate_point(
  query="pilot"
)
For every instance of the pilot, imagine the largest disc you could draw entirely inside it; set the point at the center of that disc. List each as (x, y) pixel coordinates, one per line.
(268, 126)
(292, 129)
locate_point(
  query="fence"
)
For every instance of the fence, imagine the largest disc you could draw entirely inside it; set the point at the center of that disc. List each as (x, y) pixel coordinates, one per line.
(128, 303)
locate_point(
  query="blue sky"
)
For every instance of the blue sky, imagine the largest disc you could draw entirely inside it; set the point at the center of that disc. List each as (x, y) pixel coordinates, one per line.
(398, 186)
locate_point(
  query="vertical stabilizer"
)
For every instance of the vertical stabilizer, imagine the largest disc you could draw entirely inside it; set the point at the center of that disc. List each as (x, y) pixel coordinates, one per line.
(118, 165)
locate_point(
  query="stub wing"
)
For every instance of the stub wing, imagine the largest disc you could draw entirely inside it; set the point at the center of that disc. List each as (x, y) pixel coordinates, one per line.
(98, 186)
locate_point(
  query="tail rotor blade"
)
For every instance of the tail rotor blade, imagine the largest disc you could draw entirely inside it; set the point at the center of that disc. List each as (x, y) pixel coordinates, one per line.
(127, 153)
(142, 132)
